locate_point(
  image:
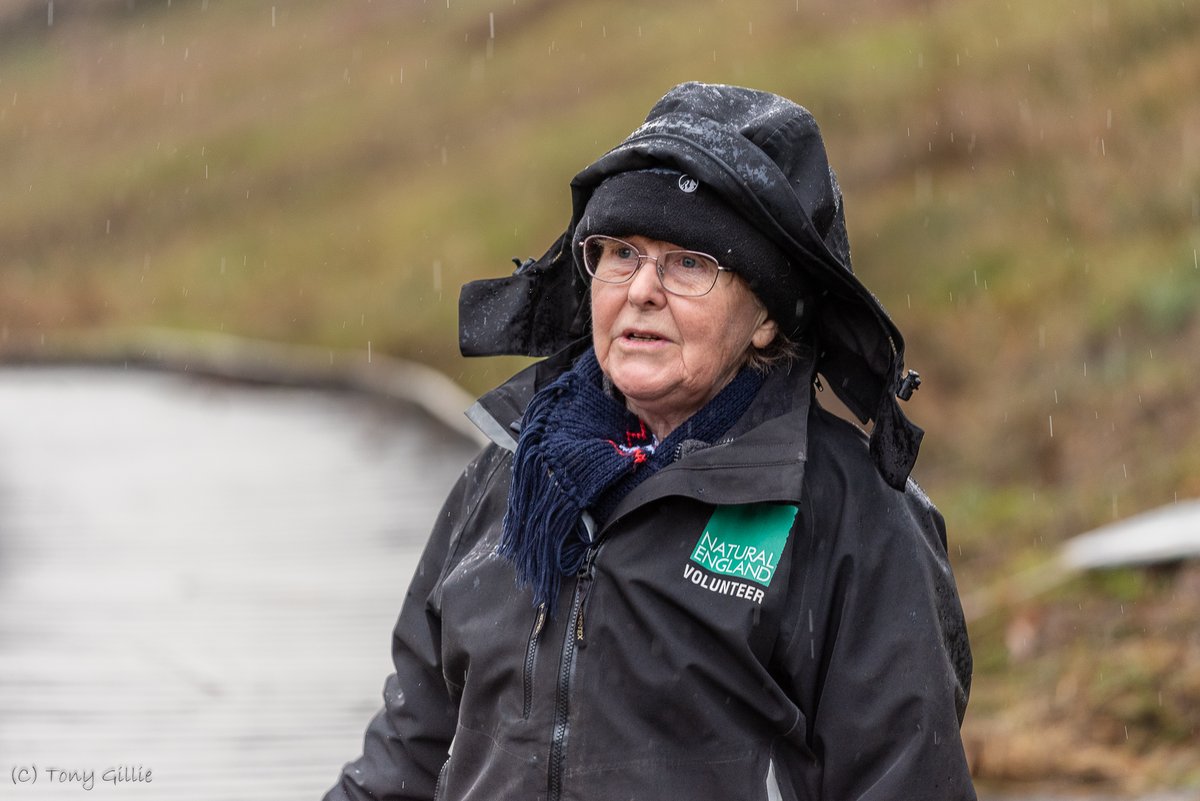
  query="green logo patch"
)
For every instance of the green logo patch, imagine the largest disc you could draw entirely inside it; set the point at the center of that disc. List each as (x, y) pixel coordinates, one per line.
(745, 541)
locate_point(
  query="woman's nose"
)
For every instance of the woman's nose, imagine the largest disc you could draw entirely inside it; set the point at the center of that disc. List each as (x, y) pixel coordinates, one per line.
(645, 287)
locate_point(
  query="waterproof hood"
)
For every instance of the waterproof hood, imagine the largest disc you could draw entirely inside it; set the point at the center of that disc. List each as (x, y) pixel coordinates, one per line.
(765, 157)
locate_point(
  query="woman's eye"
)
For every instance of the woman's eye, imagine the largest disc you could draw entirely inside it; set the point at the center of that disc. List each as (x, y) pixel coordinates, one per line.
(624, 253)
(689, 262)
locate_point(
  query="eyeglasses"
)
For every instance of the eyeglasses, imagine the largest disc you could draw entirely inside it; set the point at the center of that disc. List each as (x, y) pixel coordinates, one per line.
(681, 272)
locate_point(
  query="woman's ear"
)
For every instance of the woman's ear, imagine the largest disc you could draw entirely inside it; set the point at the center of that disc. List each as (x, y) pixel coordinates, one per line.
(765, 334)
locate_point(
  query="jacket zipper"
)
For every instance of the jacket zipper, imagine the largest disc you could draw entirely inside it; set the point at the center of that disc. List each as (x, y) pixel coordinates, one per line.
(531, 658)
(572, 638)
(440, 787)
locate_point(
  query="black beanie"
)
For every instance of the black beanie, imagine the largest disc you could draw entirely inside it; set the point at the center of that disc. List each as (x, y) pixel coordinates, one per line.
(674, 207)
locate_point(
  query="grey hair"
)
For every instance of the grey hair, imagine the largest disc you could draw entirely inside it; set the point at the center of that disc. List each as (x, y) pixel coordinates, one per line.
(782, 351)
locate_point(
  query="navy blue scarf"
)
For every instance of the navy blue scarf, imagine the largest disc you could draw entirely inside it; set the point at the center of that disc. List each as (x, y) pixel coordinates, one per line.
(581, 450)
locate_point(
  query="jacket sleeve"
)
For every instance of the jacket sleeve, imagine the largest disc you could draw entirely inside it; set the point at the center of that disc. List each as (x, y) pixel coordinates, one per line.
(408, 741)
(878, 661)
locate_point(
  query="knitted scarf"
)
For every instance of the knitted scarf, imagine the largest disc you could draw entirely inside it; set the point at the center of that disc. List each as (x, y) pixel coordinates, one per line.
(580, 450)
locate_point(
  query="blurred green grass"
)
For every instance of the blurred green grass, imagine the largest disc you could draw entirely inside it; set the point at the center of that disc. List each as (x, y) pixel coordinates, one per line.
(1022, 183)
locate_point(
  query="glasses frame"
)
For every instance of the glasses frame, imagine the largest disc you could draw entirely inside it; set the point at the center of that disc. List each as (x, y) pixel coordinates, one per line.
(643, 258)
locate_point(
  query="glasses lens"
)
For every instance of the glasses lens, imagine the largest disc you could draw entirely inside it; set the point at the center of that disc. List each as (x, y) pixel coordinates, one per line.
(686, 272)
(609, 259)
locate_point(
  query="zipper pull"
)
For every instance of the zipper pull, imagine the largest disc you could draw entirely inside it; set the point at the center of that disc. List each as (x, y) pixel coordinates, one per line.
(540, 622)
(586, 574)
(588, 569)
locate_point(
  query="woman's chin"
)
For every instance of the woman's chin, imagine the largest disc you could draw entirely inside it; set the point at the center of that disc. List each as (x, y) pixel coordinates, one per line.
(653, 400)
(644, 381)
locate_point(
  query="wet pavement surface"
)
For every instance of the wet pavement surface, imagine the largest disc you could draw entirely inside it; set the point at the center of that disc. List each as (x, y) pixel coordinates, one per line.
(198, 581)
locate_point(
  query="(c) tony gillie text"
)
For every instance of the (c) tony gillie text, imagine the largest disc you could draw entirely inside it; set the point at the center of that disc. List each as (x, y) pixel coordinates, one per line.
(84, 778)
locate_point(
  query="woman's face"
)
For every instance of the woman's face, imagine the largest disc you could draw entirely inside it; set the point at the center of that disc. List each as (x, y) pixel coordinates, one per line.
(669, 355)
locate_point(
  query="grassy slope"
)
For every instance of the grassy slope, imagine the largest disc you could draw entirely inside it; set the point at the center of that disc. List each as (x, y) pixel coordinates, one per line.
(1023, 190)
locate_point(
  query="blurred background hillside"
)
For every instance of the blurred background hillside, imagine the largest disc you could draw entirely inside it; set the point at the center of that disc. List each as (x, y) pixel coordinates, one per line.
(1022, 184)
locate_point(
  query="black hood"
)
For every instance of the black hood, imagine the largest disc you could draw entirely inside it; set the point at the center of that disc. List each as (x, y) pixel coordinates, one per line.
(764, 155)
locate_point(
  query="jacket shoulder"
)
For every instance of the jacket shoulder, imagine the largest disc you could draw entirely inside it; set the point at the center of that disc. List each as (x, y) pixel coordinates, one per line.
(840, 474)
(481, 491)
(839, 450)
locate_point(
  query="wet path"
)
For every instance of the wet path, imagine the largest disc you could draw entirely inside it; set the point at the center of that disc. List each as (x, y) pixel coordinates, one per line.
(198, 581)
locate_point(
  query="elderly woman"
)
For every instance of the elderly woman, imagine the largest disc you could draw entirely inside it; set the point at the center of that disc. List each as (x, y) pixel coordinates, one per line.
(673, 575)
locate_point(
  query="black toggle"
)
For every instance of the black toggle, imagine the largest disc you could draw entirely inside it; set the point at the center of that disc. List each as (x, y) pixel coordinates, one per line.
(908, 385)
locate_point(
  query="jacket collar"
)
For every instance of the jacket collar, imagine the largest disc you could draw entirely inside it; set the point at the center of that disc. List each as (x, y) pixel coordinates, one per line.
(762, 458)
(497, 413)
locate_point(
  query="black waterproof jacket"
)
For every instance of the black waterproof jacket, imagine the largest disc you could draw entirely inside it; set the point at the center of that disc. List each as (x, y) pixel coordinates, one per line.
(765, 618)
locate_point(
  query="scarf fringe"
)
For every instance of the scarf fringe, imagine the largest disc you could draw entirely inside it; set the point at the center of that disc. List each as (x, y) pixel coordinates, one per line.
(538, 519)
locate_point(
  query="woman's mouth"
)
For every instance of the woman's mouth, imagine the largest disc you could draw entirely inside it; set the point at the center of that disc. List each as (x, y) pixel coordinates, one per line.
(641, 335)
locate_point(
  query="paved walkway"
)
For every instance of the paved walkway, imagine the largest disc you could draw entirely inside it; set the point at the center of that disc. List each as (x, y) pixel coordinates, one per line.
(198, 582)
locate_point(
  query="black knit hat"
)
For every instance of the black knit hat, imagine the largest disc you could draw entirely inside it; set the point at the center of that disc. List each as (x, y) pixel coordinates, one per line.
(674, 207)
